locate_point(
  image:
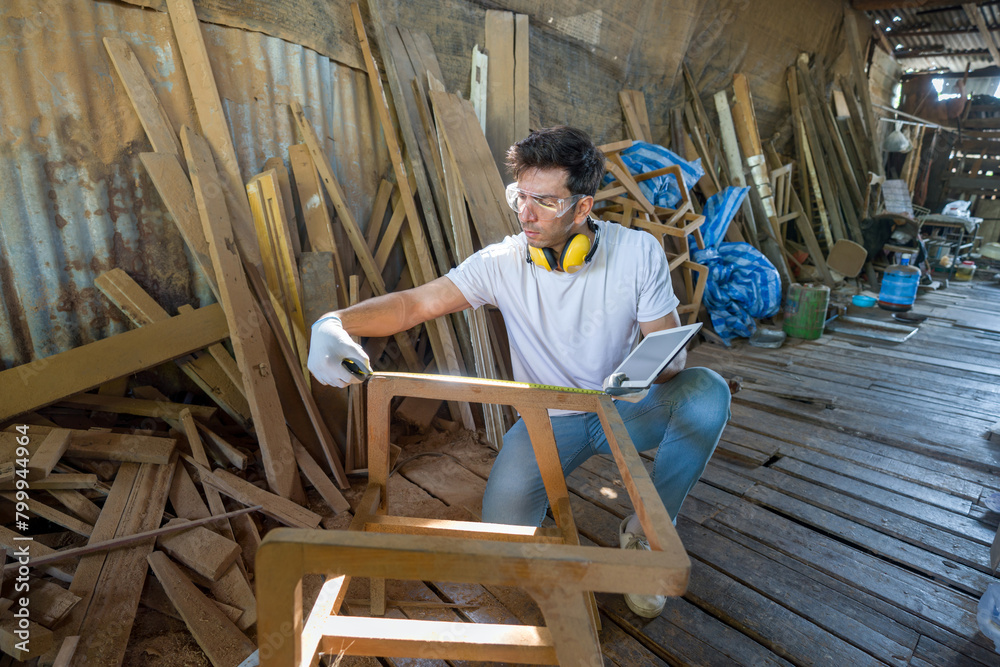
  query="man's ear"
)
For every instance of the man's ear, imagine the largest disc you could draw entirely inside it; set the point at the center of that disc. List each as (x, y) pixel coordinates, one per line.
(583, 208)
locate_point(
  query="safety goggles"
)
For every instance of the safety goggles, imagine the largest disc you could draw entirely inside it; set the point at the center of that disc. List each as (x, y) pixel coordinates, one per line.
(545, 207)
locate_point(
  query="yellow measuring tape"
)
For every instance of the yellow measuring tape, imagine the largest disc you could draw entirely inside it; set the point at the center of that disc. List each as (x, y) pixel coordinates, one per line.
(511, 383)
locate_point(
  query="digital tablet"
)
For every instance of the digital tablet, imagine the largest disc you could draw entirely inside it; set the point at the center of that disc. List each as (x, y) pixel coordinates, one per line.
(652, 355)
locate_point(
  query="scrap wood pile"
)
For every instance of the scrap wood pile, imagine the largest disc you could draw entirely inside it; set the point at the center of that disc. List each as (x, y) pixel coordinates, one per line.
(110, 480)
(798, 207)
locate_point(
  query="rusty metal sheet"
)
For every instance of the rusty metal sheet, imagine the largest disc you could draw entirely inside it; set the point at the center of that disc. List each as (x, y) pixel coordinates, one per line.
(74, 198)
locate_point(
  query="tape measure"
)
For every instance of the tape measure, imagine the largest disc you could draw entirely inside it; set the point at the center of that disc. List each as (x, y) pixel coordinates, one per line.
(532, 385)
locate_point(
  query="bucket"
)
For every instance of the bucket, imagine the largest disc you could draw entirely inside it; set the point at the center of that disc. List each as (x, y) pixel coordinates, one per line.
(805, 310)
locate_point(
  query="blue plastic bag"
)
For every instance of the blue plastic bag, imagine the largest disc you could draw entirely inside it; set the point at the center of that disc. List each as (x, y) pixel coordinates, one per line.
(988, 614)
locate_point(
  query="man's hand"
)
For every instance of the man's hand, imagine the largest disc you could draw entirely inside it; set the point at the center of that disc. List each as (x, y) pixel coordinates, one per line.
(330, 346)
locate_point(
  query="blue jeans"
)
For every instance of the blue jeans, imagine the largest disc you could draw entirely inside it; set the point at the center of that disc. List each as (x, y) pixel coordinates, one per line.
(682, 418)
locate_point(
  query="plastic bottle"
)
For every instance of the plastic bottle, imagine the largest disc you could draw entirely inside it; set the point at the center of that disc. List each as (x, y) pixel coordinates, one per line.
(899, 286)
(965, 271)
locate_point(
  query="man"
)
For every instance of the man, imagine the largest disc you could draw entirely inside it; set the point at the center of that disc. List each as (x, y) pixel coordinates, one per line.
(575, 294)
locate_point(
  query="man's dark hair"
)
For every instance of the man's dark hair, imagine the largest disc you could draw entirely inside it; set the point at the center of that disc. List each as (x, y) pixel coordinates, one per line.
(560, 147)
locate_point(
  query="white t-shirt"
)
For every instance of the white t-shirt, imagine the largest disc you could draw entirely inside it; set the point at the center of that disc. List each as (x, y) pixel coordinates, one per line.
(571, 329)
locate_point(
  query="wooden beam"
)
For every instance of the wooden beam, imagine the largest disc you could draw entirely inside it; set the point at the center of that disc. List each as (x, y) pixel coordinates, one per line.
(212, 118)
(47, 455)
(856, 49)
(202, 550)
(357, 239)
(216, 373)
(242, 491)
(105, 445)
(312, 201)
(147, 105)
(522, 89)
(244, 319)
(45, 381)
(399, 73)
(329, 447)
(111, 601)
(420, 263)
(136, 406)
(217, 636)
(500, 83)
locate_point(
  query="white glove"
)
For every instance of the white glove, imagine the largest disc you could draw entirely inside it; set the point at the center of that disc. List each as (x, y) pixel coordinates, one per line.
(329, 347)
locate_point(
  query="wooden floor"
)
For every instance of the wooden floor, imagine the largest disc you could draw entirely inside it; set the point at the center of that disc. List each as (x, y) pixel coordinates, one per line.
(840, 522)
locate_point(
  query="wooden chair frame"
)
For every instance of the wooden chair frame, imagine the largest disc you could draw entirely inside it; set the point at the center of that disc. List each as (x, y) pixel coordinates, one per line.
(549, 563)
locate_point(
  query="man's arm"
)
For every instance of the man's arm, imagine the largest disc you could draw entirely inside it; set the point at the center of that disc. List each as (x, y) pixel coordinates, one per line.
(668, 321)
(334, 356)
(399, 311)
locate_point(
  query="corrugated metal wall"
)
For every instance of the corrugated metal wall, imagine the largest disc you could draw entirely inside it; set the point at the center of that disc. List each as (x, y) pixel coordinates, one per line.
(74, 198)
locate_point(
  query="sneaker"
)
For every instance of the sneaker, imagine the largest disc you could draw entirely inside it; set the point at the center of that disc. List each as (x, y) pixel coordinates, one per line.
(647, 606)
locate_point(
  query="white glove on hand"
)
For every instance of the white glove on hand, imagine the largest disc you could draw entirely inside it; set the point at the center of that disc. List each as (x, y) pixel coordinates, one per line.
(329, 347)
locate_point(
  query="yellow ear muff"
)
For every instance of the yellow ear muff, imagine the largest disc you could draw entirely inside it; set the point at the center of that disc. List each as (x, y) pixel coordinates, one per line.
(543, 257)
(575, 254)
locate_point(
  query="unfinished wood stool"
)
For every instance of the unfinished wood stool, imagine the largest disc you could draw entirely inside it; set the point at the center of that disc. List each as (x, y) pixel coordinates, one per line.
(548, 563)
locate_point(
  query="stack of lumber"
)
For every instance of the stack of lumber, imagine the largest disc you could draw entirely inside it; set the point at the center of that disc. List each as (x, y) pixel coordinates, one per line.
(797, 207)
(127, 495)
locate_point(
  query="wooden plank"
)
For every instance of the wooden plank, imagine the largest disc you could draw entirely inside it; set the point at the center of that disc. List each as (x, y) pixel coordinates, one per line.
(66, 652)
(184, 497)
(865, 629)
(13, 543)
(108, 446)
(318, 479)
(934, 602)
(419, 260)
(48, 602)
(89, 569)
(400, 73)
(48, 513)
(202, 550)
(222, 641)
(48, 453)
(327, 444)
(45, 381)
(135, 406)
(111, 607)
(152, 115)
(857, 52)
(350, 226)
(217, 374)
(481, 182)
(240, 309)
(12, 643)
(172, 184)
(77, 503)
(62, 481)
(280, 271)
(479, 85)
(522, 90)
(214, 127)
(276, 507)
(317, 216)
(291, 223)
(500, 99)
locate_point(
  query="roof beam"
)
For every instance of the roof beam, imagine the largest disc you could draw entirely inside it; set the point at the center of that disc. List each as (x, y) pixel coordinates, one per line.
(977, 17)
(875, 5)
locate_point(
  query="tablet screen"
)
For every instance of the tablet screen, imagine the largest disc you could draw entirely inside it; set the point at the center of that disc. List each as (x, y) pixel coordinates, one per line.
(653, 353)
